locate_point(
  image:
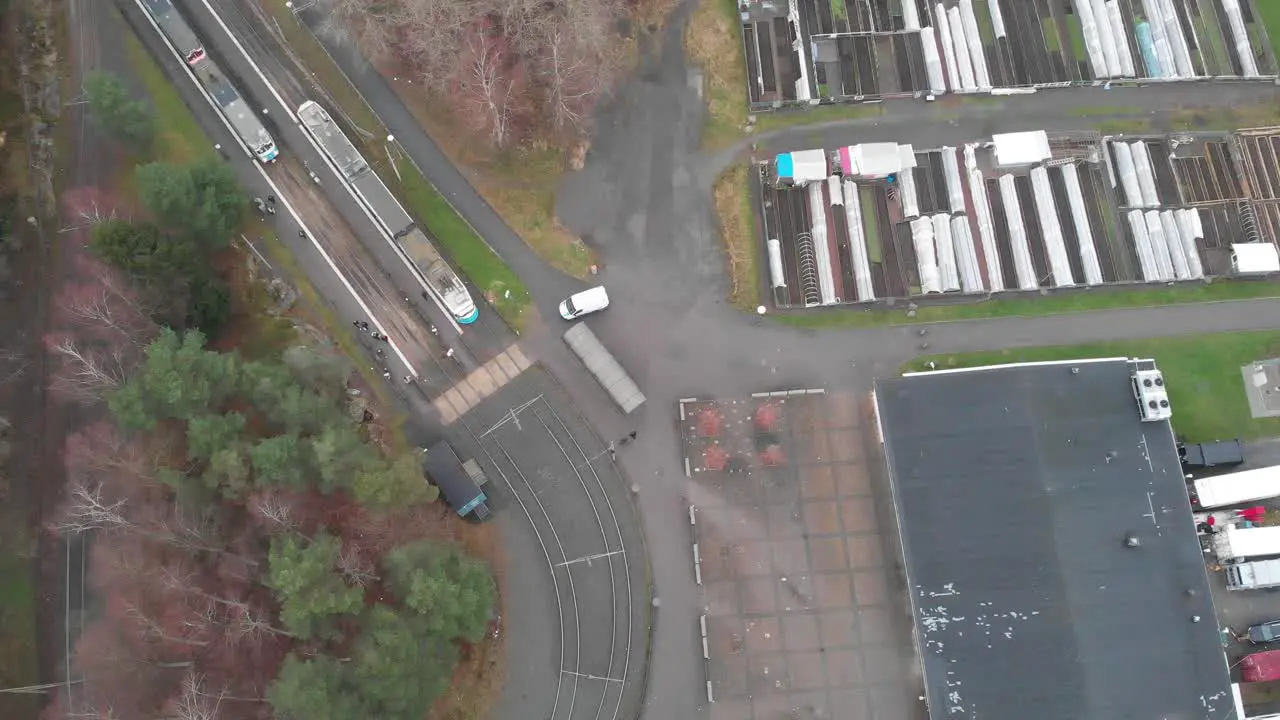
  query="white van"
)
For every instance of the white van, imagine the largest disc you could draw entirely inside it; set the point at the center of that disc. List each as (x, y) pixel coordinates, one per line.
(584, 303)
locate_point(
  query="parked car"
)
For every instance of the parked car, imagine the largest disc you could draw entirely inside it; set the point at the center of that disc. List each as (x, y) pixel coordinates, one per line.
(1265, 632)
(1220, 453)
(584, 303)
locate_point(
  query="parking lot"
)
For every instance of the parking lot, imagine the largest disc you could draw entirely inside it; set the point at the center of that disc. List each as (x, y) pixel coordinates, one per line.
(806, 613)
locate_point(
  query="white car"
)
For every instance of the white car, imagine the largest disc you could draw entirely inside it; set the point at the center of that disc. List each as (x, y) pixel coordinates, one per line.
(584, 303)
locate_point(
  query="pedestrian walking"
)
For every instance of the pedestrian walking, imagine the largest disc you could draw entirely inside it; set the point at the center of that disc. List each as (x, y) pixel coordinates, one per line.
(356, 324)
(408, 380)
(386, 374)
(301, 234)
(435, 330)
(364, 326)
(379, 351)
(448, 353)
(271, 199)
(632, 434)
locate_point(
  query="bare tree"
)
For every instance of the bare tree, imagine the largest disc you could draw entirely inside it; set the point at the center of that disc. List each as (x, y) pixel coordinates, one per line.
(194, 703)
(107, 305)
(275, 509)
(88, 373)
(574, 76)
(152, 627)
(247, 624)
(87, 509)
(486, 86)
(355, 567)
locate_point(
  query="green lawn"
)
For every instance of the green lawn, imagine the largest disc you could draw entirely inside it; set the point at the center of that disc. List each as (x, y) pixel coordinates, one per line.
(17, 618)
(1052, 41)
(181, 138)
(478, 261)
(1268, 11)
(779, 119)
(1081, 301)
(871, 223)
(1206, 388)
(1077, 38)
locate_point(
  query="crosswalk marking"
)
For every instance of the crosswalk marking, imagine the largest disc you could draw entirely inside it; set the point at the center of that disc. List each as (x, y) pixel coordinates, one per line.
(480, 384)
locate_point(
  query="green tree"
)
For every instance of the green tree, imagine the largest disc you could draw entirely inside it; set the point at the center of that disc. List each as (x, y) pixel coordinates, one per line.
(131, 122)
(147, 254)
(314, 689)
(276, 393)
(304, 576)
(207, 434)
(385, 485)
(228, 471)
(208, 304)
(179, 379)
(400, 667)
(202, 199)
(340, 452)
(280, 461)
(453, 594)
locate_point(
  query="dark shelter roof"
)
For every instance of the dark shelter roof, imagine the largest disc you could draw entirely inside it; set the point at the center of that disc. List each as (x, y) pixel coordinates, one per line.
(445, 470)
(1015, 489)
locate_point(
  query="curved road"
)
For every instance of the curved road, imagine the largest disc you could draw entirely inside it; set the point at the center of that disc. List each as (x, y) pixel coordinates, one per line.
(644, 198)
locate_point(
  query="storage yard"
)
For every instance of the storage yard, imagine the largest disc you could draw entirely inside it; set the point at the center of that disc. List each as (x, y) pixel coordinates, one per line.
(852, 50)
(1019, 212)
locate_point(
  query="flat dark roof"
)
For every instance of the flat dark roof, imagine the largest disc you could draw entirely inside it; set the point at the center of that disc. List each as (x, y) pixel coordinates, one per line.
(444, 467)
(1015, 488)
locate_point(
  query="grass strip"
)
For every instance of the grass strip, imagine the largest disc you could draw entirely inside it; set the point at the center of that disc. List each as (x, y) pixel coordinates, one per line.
(1206, 386)
(1037, 306)
(736, 213)
(714, 40)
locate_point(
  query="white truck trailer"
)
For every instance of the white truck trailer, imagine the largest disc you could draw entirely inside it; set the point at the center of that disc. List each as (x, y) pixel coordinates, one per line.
(1253, 575)
(1237, 488)
(1234, 544)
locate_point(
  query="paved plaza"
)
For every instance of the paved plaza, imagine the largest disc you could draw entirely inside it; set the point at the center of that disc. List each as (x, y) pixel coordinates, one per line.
(805, 612)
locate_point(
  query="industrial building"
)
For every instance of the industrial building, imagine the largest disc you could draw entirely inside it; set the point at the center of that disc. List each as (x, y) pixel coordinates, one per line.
(1024, 211)
(805, 51)
(1048, 544)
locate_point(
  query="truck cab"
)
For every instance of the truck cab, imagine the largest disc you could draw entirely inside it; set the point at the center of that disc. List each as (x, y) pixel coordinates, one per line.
(1219, 453)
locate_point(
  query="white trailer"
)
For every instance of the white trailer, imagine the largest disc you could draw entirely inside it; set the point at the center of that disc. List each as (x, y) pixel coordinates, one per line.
(1235, 543)
(1238, 488)
(1253, 575)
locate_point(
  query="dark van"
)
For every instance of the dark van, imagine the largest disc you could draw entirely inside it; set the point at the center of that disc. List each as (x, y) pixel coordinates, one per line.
(460, 483)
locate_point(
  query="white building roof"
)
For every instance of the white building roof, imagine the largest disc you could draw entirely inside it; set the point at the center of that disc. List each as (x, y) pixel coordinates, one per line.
(1259, 257)
(808, 166)
(1021, 148)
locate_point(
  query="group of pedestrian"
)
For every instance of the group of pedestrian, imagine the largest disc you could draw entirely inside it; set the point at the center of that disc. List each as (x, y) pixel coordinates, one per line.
(266, 207)
(613, 447)
(363, 326)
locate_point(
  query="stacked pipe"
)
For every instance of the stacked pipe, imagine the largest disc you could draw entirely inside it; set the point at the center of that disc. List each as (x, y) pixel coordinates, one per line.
(1051, 229)
(926, 258)
(986, 226)
(1022, 265)
(857, 242)
(1080, 219)
(821, 249)
(1142, 245)
(948, 275)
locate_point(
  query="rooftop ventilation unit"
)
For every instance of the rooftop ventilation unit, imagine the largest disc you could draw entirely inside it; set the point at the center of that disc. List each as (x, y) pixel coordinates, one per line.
(1152, 396)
